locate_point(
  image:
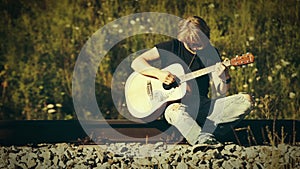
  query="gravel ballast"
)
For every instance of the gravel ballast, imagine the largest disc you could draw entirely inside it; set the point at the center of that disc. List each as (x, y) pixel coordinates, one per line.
(138, 155)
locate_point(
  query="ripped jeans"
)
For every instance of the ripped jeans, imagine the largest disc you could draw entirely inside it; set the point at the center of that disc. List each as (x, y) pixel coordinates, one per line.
(229, 109)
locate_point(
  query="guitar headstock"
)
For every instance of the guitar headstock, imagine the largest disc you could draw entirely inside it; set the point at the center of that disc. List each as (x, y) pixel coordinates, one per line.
(242, 60)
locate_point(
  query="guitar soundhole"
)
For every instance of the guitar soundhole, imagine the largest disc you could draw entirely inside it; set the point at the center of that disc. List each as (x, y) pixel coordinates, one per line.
(172, 85)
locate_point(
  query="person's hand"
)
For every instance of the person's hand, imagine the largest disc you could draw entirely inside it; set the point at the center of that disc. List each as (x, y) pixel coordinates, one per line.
(219, 69)
(166, 77)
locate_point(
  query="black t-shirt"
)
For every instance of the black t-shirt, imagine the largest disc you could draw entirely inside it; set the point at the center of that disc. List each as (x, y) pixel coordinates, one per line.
(173, 51)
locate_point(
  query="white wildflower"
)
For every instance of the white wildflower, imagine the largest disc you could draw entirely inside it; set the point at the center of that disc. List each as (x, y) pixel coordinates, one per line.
(282, 77)
(260, 105)
(284, 63)
(251, 38)
(50, 106)
(142, 27)
(132, 22)
(120, 31)
(270, 78)
(278, 67)
(211, 5)
(247, 43)
(51, 111)
(58, 105)
(245, 85)
(292, 95)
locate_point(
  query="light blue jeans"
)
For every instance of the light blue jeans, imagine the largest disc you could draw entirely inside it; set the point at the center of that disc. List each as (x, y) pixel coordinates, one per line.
(229, 109)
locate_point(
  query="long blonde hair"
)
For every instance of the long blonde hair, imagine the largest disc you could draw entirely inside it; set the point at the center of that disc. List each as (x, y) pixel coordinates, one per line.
(193, 30)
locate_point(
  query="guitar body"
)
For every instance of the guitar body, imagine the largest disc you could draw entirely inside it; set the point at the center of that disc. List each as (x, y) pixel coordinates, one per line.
(147, 95)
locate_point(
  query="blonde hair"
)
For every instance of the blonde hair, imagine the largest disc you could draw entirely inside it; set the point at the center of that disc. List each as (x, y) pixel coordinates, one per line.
(193, 30)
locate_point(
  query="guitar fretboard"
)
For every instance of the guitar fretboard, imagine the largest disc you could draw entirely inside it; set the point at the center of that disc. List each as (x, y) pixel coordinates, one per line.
(201, 72)
(197, 73)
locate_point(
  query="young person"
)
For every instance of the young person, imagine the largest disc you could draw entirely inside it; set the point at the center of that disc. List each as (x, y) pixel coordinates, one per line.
(196, 115)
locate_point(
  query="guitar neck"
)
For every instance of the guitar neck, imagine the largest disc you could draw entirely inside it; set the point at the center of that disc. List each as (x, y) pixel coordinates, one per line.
(197, 73)
(239, 60)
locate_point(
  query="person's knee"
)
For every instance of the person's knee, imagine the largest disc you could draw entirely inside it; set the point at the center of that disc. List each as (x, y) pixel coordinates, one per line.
(249, 100)
(247, 97)
(173, 112)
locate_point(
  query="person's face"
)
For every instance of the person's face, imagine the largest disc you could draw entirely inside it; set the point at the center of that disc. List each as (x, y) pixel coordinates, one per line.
(194, 46)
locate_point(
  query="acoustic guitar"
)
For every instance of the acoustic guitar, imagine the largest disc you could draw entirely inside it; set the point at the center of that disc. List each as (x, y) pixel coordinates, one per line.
(145, 95)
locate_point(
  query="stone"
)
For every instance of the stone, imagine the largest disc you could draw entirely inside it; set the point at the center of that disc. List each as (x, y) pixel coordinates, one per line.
(251, 153)
(55, 160)
(226, 152)
(227, 164)
(159, 144)
(283, 148)
(231, 147)
(142, 161)
(165, 166)
(258, 165)
(217, 163)
(203, 164)
(195, 159)
(182, 165)
(61, 164)
(154, 161)
(237, 163)
(64, 155)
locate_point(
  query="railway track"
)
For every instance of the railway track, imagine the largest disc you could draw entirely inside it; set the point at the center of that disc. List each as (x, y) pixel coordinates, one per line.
(247, 132)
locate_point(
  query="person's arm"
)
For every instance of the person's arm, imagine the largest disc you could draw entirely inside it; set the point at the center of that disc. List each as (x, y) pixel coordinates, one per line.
(221, 78)
(141, 65)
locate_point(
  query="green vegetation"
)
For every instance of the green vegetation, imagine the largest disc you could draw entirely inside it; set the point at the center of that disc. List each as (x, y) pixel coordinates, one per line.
(40, 42)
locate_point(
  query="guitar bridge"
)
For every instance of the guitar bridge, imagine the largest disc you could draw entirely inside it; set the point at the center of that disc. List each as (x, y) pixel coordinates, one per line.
(149, 90)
